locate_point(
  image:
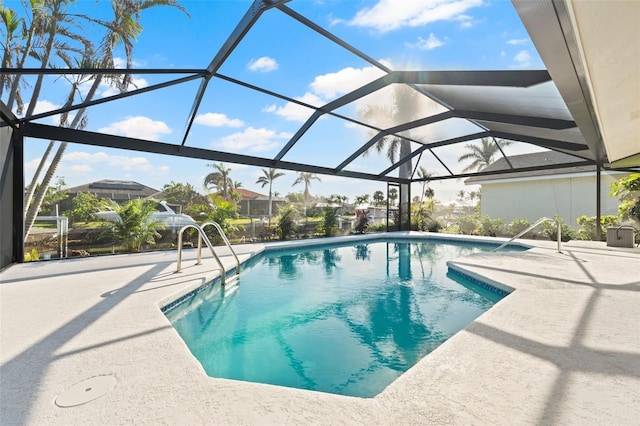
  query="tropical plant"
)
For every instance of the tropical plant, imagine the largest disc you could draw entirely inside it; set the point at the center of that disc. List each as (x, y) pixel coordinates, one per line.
(482, 155)
(267, 179)
(420, 218)
(221, 180)
(329, 224)
(287, 221)
(137, 226)
(362, 221)
(461, 194)
(627, 189)
(306, 178)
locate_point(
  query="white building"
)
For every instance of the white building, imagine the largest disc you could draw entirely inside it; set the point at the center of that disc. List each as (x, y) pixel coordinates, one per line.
(568, 192)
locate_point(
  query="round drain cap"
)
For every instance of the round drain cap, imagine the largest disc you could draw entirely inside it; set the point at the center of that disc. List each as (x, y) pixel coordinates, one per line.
(85, 391)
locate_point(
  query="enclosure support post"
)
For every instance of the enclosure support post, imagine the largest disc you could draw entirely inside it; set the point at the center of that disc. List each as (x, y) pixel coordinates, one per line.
(598, 203)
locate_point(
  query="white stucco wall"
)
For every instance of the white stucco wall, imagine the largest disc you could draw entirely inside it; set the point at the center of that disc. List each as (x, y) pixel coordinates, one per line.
(569, 197)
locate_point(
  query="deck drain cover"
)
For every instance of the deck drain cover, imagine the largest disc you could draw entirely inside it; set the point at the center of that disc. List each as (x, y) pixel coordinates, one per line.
(85, 391)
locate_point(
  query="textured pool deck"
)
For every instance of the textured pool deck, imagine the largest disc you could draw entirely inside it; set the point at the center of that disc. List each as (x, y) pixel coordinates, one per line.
(563, 348)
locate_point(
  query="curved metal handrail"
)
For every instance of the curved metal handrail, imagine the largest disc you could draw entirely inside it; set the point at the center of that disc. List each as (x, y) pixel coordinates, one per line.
(226, 242)
(201, 236)
(541, 220)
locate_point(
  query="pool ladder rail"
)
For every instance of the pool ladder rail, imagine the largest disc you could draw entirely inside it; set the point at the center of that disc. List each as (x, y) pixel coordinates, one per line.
(202, 236)
(542, 220)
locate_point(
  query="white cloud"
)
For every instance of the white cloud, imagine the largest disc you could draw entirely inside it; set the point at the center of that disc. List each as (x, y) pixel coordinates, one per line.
(388, 15)
(137, 127)
(503, 53)
(514, 41)
(426, 44)
(263, 64)
(347, 79)
(523, 59)
(326, 87)
(214, 119)
(466, 24)
(108, 90)
(253, 140)
(294, 112)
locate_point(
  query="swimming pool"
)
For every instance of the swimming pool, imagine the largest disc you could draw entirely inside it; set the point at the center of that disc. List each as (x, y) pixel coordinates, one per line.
(344, 319)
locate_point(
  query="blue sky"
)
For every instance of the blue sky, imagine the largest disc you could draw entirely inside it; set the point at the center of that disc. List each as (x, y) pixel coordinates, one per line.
(281, 55)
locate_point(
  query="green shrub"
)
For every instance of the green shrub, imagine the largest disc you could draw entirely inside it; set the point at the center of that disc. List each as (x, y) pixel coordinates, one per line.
(550, 230)
(518, 225)
(362, 221)
(33, 255)
(287, 221)
(588, 226)
(420, 218)
(329, 224)
(491, 227)
(468, 225)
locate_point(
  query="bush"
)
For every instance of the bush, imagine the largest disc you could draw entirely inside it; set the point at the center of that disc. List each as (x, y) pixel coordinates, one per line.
(33, 255)
(287, 221)
(588, 226)
(362, 221)
(550, 230)
(420, 218)
(491, 227)
(329, 224)
(468, 225)
(518, 225)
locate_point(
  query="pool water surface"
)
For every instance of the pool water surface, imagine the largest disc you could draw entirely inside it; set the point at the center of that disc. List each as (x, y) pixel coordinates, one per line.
(341, 319)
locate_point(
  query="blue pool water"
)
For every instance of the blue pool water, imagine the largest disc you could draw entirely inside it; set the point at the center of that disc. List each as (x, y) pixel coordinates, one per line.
(341, 319)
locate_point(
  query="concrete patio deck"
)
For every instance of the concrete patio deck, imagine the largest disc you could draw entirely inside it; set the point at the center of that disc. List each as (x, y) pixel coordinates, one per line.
(563, 348)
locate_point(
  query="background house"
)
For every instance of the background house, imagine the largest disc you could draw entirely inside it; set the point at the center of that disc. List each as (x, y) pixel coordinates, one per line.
(256, 204)
(119, 191)
(569, 192)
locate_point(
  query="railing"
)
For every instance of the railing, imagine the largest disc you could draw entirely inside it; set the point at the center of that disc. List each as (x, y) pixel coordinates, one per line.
(224, 239)
(544, 219)
(202, 236)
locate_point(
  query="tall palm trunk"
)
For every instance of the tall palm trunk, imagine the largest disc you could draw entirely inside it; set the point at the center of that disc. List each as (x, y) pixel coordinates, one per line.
(34, 208)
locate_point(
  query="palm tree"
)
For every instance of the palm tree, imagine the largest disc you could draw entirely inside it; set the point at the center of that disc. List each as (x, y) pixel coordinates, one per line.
(403, 108)
(268, 178)
(425, 176)
(123, 29)
(137, 226)
(221, 180)
(305, 178)
(482, 155)
(12, 26)
(461, 195)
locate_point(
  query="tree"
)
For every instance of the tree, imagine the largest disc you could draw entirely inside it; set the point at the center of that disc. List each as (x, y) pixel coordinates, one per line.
(122, 30)
(378, 198)
(221, 180)
(627, 189)
(461, 195)
(482, 155)
(183, 194)
(305, 178)
(393, 196)
(136, 226)
(267, 179)
(85, 205)
(425, 176)
(405, 106)
(362, 199)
